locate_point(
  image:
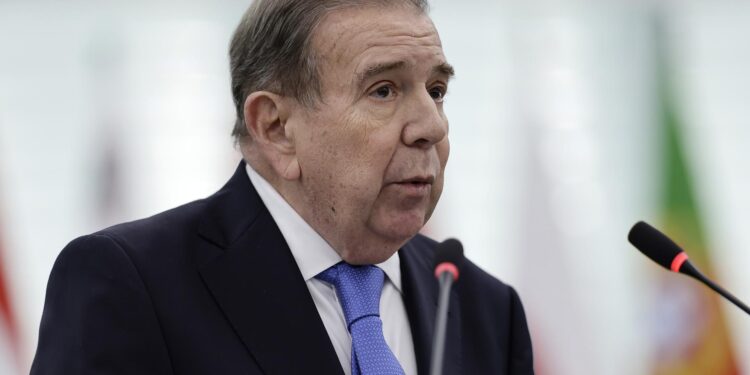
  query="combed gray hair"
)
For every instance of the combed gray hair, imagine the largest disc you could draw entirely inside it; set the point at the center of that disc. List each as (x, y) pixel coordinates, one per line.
(271, 49)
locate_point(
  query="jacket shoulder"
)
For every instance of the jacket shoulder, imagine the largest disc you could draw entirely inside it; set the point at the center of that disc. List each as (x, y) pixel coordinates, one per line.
(171, 226)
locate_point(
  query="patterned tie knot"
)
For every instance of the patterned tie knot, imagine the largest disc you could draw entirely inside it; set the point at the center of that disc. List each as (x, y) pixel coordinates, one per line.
(358, 288)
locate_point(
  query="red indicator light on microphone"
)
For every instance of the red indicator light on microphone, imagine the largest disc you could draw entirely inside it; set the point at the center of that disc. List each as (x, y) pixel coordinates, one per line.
(678, 261)
(446, 267)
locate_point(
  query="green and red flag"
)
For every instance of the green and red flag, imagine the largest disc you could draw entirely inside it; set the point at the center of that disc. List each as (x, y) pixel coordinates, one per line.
(691, 332)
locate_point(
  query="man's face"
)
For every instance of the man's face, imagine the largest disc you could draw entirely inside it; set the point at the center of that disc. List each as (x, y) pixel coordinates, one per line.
(373, 151)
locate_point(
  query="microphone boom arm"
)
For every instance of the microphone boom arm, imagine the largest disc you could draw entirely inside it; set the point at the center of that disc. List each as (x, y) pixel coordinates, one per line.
(689, 270)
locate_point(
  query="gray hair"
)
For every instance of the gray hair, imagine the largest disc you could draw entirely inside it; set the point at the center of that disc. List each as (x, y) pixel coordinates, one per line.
(271, 49)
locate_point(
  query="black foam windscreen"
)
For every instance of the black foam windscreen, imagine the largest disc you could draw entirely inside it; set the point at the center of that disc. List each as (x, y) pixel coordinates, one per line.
(450, 251)
(654, 244)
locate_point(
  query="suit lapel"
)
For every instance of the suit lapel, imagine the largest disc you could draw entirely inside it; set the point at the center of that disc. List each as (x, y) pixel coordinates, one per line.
(250, 271)
(420, 299)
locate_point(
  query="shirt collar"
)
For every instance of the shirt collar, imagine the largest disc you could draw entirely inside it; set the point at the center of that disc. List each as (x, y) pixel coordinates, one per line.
(311, 252)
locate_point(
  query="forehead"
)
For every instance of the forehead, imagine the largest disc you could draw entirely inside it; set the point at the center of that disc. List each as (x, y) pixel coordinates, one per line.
(350, 39)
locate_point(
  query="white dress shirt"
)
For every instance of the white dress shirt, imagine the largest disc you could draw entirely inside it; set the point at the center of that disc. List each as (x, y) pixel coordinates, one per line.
(313, 256)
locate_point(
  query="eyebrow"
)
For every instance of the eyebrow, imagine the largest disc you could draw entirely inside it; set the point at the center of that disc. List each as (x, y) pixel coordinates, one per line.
(380, 68)
(442, 68)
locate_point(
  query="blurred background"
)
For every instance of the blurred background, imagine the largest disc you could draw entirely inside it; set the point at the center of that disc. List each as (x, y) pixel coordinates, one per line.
(570, 121)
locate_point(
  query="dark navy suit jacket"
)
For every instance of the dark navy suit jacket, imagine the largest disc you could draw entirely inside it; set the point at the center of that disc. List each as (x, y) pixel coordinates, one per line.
(212, 288)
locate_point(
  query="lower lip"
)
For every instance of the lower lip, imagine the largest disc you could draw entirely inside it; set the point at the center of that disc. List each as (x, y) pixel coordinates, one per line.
(414, 189)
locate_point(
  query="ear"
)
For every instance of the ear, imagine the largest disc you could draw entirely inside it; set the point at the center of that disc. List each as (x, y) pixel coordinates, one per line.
(266, 116)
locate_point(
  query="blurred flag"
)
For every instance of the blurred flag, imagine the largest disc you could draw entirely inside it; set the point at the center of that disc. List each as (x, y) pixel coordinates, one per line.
(8, 328)
(690, 331)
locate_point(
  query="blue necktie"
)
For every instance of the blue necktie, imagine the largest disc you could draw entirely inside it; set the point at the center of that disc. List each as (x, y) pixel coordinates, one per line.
(358, 289)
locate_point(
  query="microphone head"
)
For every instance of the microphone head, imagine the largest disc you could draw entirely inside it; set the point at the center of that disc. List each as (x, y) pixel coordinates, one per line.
(448, 257)
(657, 246)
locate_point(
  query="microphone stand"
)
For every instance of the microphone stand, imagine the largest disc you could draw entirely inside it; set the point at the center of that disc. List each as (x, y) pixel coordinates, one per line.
(689, 270)
(441, 317)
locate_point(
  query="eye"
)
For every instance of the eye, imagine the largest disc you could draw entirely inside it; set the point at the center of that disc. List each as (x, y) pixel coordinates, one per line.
(385, 91)
(438, 93)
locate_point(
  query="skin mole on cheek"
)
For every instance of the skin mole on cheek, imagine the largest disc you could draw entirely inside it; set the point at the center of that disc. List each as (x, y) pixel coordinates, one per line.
(333, 209)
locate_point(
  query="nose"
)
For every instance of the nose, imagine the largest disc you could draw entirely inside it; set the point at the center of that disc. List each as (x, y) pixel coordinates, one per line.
(426, 124)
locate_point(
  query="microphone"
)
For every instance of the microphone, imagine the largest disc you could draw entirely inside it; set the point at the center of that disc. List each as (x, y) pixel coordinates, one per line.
(662, 250)
(448, 258)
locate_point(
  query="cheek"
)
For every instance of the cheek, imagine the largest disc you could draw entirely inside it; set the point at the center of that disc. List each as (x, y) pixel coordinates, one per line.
(443, 150)
(363, 166)
(345, 159)
(366, 147)
(347, 172)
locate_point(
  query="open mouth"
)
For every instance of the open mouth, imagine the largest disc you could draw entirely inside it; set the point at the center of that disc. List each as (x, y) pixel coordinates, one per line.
(414, 183)
(417, 186)
(418, 181)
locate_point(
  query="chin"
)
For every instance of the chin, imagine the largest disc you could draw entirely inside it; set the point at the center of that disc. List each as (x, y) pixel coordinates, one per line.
(382, 238)
(404, 229)
(376, 249)
(363, 257)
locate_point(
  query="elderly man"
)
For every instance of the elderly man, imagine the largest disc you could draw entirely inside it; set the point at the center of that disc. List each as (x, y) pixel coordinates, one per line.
(344, 138)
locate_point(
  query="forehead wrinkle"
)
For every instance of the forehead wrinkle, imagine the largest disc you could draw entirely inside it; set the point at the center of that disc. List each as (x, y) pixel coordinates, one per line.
(403, 37)
(395, 33)
(428, 39)
(379, 68)
(328, 42)
(333, 48)
(336, 40)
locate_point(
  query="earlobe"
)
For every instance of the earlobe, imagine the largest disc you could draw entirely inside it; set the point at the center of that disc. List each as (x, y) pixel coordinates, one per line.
(292, 171)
